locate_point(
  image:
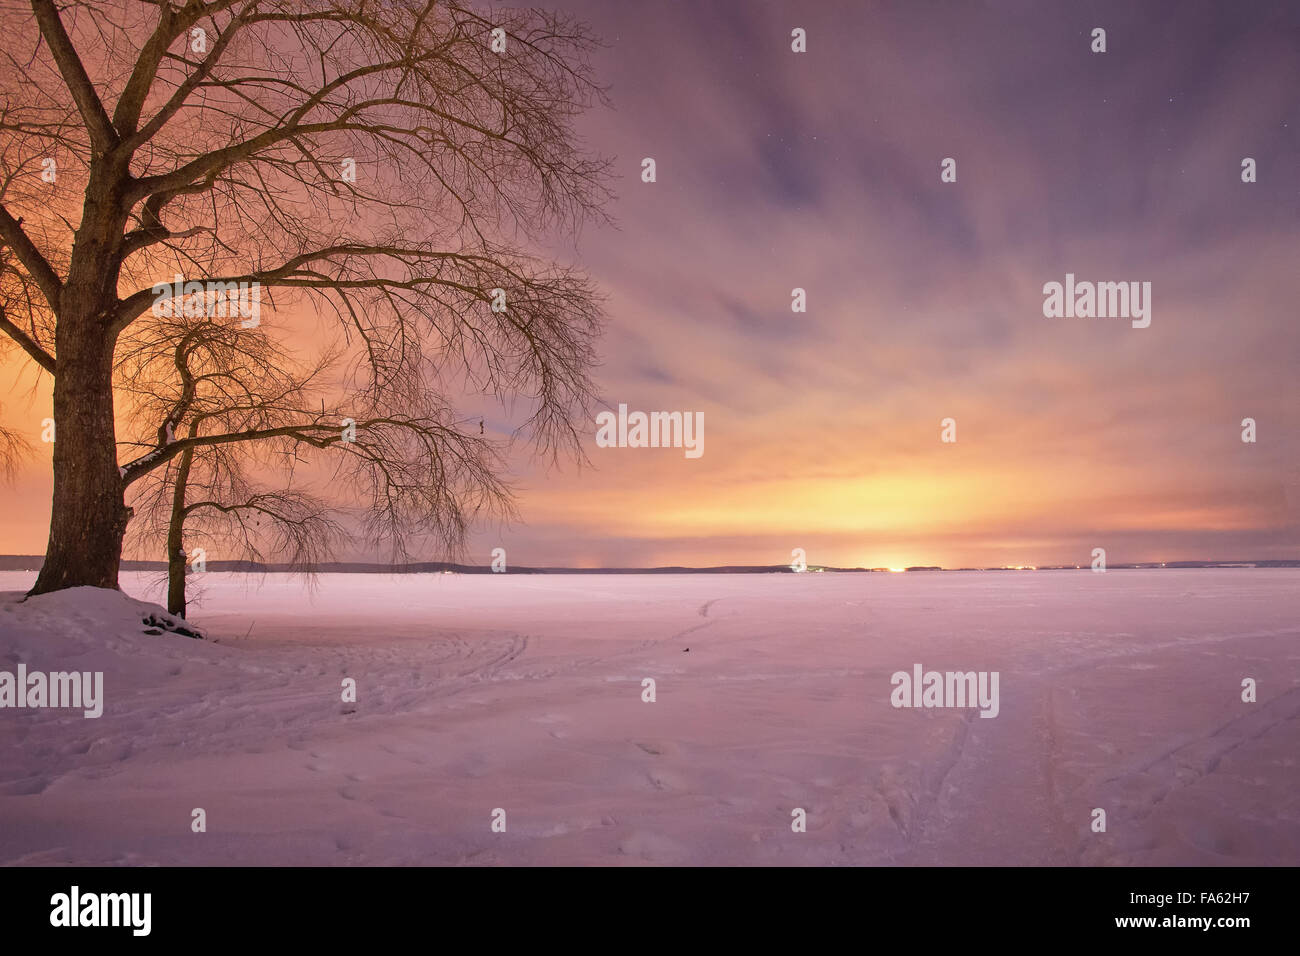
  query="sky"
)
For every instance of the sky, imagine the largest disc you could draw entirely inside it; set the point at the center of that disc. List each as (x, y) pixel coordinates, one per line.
(778, 170)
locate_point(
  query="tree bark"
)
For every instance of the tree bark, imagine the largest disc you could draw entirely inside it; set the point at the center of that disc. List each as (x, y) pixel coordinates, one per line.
(176, 538)
(88, 515)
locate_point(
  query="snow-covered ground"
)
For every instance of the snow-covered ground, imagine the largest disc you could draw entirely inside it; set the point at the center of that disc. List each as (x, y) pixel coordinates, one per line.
(1120, 691)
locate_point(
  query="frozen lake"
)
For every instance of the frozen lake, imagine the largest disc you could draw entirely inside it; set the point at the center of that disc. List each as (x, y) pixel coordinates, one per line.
(1120, 691)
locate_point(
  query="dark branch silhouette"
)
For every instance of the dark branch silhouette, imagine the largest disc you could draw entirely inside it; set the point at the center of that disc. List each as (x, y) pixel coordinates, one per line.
(379, 165)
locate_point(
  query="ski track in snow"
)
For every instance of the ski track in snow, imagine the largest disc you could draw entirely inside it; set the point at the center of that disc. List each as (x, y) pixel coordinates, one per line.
(1119, 691)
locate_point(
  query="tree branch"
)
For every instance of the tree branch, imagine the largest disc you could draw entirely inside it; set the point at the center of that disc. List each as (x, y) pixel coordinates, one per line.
(102, 133)
(28, 344)
(13, 235)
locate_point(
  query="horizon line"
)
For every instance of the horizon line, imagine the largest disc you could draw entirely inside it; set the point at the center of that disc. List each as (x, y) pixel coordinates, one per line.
(32, 562)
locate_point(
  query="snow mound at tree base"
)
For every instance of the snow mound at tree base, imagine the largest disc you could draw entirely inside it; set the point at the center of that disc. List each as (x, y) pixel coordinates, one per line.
(94, 630)
(98, 610)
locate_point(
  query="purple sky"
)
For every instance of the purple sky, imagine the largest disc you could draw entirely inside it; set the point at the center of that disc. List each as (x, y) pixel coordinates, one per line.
(821, 170)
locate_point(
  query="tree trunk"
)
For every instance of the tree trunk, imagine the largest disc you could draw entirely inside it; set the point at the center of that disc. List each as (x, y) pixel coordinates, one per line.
(176, 539)
(89, 514)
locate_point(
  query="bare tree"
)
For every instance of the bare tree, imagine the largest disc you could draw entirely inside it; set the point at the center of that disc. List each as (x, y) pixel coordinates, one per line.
(217, 511)
(408, 476)
(384, 164)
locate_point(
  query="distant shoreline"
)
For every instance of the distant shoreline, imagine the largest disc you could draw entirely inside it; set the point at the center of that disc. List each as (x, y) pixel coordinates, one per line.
(32, 562)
